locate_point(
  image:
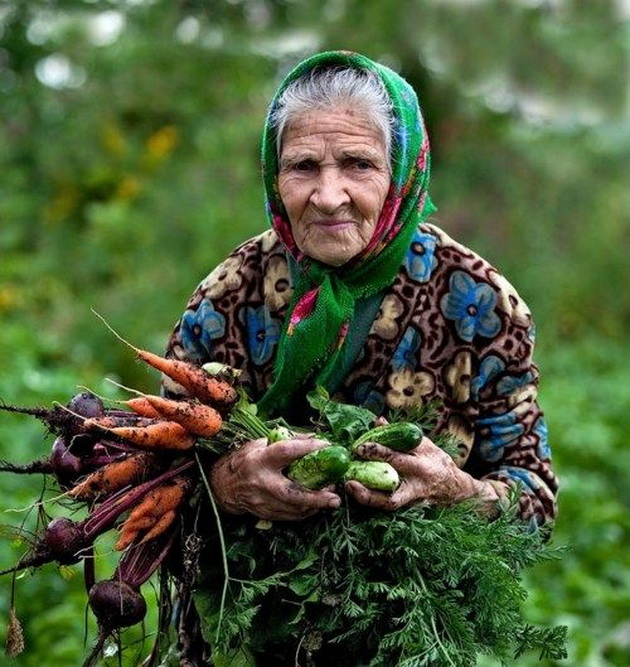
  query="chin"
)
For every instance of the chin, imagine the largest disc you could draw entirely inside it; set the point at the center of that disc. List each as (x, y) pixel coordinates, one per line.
(331, 259)
(332, 254)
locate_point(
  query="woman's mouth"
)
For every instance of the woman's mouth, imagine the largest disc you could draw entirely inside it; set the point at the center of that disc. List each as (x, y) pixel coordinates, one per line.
(334, 224)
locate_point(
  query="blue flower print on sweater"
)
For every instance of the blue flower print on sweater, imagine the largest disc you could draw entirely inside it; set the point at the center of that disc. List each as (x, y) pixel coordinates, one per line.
(530, 481)
(511, 383)
(471, 306)
(541, 432)
(495, 433)
(490, 367)
(199, 327)
(420, 260)
(263, 332)
(405, 354)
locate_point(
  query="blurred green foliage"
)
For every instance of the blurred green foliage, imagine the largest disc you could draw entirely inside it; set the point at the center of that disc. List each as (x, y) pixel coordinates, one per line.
(129, 155)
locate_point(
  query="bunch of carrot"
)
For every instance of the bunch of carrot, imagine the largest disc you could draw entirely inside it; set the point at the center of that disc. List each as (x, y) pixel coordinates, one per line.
(134, 469)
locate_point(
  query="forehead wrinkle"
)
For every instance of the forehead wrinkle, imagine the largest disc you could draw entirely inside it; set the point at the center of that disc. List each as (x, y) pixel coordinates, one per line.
(315, 146)
(336, 125)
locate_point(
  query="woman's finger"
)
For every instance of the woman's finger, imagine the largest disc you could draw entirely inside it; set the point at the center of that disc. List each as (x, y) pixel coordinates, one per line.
(283, 452)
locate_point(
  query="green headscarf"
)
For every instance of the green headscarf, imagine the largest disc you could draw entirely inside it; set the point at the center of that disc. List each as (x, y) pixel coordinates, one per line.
(324, 297)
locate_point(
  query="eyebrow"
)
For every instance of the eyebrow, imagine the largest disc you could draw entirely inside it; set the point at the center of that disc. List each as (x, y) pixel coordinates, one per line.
(295, 158)
(364, 154)
(360, 154)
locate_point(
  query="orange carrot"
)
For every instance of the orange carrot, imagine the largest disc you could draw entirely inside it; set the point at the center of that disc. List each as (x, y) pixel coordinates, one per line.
(137, 524)
(195, 380)
(156, 435)
(192, 378)
(154, 513)
(200, 419)
(161, 525)
(115, 476)
(141, 406)
(112, 421)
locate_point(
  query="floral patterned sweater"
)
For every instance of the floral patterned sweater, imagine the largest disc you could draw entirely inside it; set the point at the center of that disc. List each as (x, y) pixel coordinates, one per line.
(450, 330)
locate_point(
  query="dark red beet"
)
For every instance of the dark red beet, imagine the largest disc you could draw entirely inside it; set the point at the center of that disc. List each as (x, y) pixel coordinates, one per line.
(67, 467)
(87, 405)
(116, 604)
(65, 539)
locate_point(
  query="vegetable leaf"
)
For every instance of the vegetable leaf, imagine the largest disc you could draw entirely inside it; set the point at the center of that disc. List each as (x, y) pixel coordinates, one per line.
(346, 422)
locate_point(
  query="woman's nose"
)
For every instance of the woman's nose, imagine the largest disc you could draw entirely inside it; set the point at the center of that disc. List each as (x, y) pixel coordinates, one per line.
(329, 193)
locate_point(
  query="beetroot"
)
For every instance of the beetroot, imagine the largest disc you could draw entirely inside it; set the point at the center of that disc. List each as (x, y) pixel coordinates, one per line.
(116, 604)
(65, 539)
(66, 421)
(66, 466)
(86, 404)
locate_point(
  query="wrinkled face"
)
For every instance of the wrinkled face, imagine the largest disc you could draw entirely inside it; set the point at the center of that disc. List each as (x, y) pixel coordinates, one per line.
(333, 179)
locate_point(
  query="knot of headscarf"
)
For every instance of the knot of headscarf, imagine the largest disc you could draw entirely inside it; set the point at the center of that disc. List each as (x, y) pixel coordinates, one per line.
(324, 297)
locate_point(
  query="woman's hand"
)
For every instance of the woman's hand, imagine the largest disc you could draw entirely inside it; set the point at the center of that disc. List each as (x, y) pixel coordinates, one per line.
(250, 480)
(428, 474)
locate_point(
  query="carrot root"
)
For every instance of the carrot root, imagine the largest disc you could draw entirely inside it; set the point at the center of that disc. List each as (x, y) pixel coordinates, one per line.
(201, 420)
(153, 436)
(115, 476)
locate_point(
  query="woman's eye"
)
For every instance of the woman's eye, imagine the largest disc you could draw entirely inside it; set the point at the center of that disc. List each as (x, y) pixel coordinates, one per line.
(305, 165)
(360, 164)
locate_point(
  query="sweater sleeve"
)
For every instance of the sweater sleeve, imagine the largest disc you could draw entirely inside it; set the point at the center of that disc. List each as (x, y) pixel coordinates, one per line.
(511, 447)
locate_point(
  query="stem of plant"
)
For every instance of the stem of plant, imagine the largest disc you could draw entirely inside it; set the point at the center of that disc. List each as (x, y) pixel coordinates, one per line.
(217, 517)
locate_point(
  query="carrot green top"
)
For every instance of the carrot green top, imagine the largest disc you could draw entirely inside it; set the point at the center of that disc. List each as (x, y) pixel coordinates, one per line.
(325, 297)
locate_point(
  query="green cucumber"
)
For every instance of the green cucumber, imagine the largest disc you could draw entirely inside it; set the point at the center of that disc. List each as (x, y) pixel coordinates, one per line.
(376, 475)
(278, 433)
(320, 468)
(402, 436)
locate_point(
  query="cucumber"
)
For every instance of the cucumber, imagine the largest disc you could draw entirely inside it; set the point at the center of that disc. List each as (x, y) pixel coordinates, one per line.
(278, 433)
(320, 468)
(402, 436)
(376, 475)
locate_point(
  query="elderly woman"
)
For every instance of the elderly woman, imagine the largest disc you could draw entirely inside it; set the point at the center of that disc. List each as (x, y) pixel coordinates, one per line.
(352, 289)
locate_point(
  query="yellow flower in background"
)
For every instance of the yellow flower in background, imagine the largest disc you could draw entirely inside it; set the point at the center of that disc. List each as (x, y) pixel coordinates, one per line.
(10, 297)
(160, 144)
(66, 201)
(128, 188)
(113, 140)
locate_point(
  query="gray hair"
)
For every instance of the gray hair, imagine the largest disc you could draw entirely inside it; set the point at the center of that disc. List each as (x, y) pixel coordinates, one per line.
(323, 88)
